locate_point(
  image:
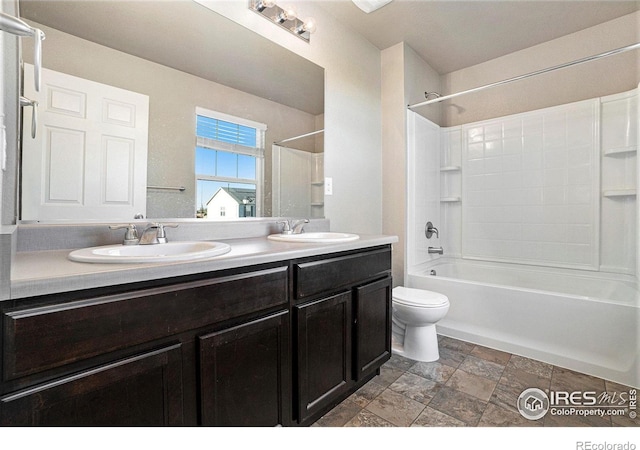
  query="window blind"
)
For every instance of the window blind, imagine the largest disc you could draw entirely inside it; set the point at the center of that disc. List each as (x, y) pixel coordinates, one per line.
(218, 134)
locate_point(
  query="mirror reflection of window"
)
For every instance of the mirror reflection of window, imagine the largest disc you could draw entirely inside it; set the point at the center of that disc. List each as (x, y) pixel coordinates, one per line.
(229, 156)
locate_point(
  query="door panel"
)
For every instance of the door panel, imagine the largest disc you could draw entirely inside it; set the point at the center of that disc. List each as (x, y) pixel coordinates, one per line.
(373, 327)
(89, 157)
(244, 374)
(323, 353)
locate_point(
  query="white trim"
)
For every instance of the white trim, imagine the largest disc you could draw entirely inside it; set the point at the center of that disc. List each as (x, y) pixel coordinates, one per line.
(227, 179)
(229, 118)
(212, 144)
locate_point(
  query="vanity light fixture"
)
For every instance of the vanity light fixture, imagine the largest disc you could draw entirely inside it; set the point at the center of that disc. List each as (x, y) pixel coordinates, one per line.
(285, 17)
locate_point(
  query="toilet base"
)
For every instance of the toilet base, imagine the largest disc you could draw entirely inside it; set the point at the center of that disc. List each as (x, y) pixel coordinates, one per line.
(420, 344)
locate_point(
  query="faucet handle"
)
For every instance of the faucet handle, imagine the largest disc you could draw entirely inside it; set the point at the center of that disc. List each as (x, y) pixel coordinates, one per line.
(166, 225)
(429, 229)
(130, 236)
(161, 236)
(286, 226)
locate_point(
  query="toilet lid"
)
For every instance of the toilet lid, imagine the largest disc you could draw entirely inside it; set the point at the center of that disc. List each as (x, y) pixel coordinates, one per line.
(419, 297)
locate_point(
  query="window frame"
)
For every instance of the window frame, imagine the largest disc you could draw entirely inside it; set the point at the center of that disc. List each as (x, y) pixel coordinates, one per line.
(257, 152)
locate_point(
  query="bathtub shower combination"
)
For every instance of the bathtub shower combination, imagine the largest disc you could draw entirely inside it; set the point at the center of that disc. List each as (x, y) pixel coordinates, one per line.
(538, 220)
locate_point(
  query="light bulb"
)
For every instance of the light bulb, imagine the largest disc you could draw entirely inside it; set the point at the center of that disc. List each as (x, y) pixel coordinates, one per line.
(287, 13)
(309, 25)
(261, 5)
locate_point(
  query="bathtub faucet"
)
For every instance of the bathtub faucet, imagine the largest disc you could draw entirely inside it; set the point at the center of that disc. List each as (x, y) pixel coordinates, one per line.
(437, 250)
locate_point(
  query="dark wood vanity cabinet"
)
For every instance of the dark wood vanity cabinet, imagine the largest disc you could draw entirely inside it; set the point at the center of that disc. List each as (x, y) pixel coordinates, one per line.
(131, 358)
(277, 344)
(342, 321)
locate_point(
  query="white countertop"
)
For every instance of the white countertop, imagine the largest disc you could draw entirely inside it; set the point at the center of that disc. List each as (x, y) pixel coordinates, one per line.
(48, 272)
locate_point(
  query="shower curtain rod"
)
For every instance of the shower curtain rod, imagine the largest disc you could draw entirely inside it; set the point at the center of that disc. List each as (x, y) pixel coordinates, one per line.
(531, 74)
(298, 137)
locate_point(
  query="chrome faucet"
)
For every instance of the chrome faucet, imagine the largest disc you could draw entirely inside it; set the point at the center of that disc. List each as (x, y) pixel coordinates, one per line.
(293, 226)
(298, 226)
(437, 250)
(153, 234)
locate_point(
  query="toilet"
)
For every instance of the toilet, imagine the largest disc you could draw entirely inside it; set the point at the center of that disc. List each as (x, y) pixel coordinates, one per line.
(415, 313)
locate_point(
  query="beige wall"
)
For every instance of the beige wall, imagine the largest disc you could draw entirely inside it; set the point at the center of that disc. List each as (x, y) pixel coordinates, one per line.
(393, 153)
(405, 77)
(594, 79)
(174, 96)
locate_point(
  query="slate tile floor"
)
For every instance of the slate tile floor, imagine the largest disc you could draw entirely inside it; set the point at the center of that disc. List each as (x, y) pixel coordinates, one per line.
(469, 386)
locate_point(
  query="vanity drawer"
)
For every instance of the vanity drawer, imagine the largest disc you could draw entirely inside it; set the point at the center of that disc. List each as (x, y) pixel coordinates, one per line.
(45, 337)
(316, 277)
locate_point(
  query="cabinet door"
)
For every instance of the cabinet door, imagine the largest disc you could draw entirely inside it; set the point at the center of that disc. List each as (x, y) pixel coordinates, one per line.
(245, 374)
(372, 327)
(323, 330)
(143, 390)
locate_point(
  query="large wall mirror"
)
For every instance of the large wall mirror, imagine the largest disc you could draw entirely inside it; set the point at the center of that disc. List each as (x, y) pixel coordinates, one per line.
(198, 71)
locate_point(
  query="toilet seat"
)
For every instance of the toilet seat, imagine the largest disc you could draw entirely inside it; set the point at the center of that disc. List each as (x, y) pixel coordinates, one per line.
(419, 297)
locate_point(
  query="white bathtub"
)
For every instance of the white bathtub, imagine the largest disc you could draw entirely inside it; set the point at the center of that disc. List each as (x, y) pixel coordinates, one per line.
(583, 321)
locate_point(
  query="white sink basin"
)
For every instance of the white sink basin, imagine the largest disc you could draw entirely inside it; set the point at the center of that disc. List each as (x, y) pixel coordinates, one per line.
(318, 237)
(171, 251)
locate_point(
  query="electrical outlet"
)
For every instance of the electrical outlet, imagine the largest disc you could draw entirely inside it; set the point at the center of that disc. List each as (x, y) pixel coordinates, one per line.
(328, 186)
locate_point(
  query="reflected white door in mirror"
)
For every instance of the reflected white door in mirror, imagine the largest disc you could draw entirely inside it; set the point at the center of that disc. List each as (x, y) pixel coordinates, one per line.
(89, 157)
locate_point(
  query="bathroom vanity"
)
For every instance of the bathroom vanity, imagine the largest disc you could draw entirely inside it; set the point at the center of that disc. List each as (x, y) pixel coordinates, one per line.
(269, 334)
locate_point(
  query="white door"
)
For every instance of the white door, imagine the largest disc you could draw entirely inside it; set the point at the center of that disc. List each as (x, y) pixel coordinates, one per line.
(89, 157)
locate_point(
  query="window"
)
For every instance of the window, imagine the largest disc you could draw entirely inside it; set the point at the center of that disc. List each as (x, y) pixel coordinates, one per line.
(229, 165)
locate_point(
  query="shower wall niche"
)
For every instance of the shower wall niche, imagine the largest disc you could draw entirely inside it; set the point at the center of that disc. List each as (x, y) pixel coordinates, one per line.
(451, 188)
(619, 123)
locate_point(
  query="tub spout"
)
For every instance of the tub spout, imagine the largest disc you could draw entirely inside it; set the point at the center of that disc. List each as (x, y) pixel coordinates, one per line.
(437, 250)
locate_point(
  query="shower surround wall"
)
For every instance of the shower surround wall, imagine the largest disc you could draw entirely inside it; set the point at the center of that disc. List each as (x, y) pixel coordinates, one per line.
(554, 187)
(530, 188)
(538, 220)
